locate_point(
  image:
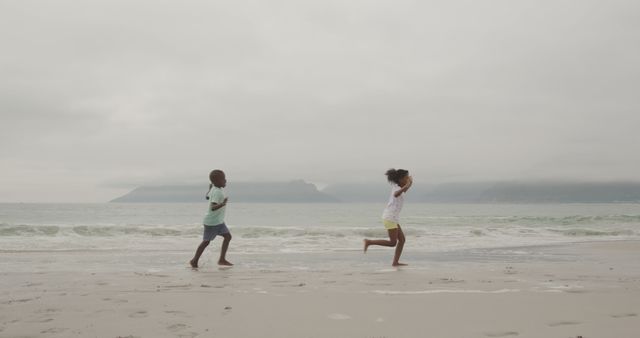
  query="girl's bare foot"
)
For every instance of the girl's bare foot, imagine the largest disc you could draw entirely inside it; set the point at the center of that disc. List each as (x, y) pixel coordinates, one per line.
(193, 264)
(225, 263)
(399, 264)
(366, 245)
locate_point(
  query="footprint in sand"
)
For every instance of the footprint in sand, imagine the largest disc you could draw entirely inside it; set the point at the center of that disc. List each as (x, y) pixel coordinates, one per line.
(22, 300)
(338, 316)
(501, 334)
(624, 315)
(50, 310)
(176, 327)
(139, 314)
(509, 270)
(53, 330)
(175, 312)
(173, 287)
(576, 291)
(568, 322)
(44, 320)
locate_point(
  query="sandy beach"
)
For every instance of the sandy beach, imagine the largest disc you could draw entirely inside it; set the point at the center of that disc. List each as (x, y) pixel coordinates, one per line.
(490, 145)
(570, 290)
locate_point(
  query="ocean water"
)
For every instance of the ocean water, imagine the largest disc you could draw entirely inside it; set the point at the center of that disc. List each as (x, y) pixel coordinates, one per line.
(273, 237)
(308, 228)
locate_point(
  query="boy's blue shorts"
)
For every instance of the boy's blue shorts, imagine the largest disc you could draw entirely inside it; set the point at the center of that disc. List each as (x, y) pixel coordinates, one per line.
(211, 231)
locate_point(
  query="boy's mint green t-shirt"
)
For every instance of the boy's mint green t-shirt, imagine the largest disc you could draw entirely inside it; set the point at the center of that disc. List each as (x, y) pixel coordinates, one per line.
(215, 217)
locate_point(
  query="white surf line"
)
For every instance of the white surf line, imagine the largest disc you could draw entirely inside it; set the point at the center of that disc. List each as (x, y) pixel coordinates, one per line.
(419, 292)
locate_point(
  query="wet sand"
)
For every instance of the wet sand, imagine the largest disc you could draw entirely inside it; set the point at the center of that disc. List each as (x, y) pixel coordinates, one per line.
(587, 289)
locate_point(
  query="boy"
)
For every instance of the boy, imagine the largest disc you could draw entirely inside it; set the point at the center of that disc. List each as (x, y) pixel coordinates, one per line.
(214, 220)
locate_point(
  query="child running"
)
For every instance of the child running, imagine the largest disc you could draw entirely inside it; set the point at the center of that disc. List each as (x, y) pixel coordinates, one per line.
(391, 216)
(214, 220)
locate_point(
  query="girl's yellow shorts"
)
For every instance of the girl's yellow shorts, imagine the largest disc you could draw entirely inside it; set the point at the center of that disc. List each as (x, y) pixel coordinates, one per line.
(389, 224)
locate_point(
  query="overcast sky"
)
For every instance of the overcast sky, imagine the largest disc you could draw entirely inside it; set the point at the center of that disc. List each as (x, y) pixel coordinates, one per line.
(97, 97)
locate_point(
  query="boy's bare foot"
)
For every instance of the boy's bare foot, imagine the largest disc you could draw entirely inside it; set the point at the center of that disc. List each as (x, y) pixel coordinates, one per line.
(399, 264)
(366, 245)
(193, 264)
(225, 263)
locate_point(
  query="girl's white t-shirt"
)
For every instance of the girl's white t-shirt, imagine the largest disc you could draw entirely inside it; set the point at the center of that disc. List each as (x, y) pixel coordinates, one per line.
(394, 206)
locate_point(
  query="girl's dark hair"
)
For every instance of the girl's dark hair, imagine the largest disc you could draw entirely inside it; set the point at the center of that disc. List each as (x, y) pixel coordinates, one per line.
(395, 175)
(212, 175)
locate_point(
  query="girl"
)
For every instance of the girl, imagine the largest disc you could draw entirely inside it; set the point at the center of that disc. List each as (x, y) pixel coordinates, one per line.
(214, 220)
(391, 216)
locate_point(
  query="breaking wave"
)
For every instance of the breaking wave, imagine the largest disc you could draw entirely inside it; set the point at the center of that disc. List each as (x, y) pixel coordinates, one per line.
(336, 232)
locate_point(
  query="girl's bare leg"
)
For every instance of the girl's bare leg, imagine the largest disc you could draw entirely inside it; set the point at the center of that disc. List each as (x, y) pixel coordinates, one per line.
(401, 239)
(392, 241)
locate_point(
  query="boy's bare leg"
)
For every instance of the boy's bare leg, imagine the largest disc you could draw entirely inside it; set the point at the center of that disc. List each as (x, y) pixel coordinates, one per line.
(223, 250)
(199, 251)
(392, 241)
(396, 257)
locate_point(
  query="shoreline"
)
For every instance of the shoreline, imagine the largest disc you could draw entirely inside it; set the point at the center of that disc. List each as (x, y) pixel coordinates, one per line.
(514, 247)
(591, 289)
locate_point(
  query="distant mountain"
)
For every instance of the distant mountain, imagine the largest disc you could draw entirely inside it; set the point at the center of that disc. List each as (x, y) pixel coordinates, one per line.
(480, 192)
(359, 192)
(497, 192)
(454, 193)
(550, 192)
(278, 192)
(363, 192)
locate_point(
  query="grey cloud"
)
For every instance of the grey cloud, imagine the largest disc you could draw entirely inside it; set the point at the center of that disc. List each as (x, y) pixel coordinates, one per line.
(111, 94)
